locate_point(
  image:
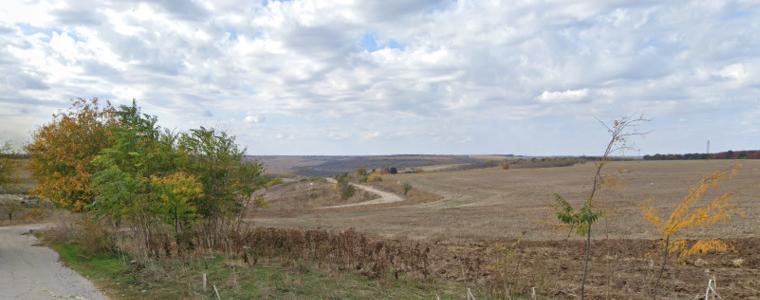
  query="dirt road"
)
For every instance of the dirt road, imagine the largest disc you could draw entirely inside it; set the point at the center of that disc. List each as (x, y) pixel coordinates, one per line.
(385, 197)
(33, 272)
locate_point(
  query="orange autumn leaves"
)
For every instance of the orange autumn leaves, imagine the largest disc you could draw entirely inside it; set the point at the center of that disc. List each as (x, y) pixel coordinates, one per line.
(62, 153)
(691, 214)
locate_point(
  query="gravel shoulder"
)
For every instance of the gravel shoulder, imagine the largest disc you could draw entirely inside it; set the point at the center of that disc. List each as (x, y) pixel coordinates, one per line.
(29, 271)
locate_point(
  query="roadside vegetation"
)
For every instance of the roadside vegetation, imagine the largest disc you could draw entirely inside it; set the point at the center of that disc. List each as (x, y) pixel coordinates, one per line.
(231, 278)
(158, 207)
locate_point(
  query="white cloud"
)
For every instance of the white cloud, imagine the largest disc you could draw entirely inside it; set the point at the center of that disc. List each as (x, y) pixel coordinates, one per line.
(254, 119)
(484, 63)
(567, 96)
(734, 71)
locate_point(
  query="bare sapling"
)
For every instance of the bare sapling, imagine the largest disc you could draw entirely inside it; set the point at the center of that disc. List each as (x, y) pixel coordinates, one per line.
(582, 219)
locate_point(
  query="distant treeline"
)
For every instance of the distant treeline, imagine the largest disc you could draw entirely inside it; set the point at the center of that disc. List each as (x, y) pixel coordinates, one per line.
(747, 154)
(16, 156)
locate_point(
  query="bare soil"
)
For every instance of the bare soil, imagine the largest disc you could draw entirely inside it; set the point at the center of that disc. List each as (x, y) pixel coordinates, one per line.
(475, 210)
(619, 269)
(494, 203)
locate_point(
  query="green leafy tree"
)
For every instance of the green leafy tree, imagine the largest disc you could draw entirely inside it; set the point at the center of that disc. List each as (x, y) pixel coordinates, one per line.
(118, 194)
(219, 164)
(138, 150)
(175, 199)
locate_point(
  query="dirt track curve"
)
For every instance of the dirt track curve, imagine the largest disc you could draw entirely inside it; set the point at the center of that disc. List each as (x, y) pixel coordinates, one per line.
(28, 271)
(385, 197)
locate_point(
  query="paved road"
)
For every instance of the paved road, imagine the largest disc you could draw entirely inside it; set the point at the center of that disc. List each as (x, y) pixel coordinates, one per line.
(33, 272)
(385, 197)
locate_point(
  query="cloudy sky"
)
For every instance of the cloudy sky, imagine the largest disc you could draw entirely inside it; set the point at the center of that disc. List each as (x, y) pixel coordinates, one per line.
(380, 77)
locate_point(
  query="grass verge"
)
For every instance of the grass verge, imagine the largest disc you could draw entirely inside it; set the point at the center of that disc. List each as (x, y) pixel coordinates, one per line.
(120, 278)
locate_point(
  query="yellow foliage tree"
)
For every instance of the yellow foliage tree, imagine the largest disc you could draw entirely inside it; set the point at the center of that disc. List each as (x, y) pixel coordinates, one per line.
(688, 214)
(62, 152)
(176, 195)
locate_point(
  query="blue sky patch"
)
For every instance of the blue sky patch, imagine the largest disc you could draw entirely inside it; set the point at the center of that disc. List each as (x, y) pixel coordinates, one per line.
(370, 43)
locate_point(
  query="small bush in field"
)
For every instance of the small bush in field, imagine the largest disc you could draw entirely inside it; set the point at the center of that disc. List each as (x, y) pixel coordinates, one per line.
(689, 215)
(362, 175)
(344, 187)
(504, 164)
(407, 187)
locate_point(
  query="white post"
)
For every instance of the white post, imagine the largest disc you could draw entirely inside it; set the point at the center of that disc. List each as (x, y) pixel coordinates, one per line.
(216, 292)
(470, 296)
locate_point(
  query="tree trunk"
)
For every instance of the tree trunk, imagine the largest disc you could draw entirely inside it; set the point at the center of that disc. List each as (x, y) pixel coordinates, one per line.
(665, 255)
(585, 262)
(176, 231)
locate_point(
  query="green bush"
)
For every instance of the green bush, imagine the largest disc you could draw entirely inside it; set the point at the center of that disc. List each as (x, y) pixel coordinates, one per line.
(344, 187)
